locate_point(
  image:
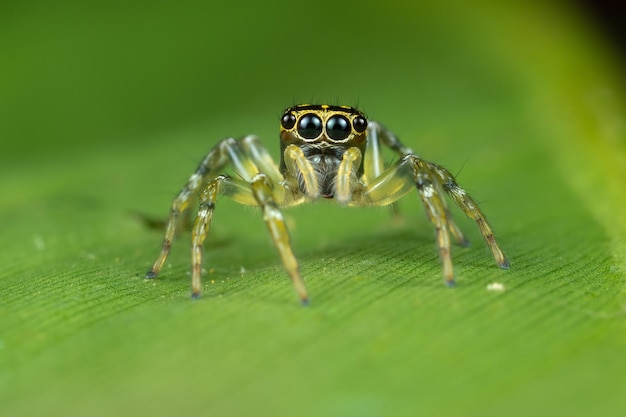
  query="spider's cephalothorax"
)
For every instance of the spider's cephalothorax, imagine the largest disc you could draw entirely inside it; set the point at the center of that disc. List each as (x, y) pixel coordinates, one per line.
(326, 151)
(322, 134)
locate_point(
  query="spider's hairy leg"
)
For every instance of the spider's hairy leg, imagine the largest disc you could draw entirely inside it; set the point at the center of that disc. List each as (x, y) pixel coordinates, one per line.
(215, 160)
(253, 147)
(454, 229)
(431, 181)
(399, 180)
(373, 163)
(235, 189)
(437, 214)
(262, 189)
(388, 138)
(470, 208)
(227, 151)
(377, 134)
(201, 229)
(387, 188)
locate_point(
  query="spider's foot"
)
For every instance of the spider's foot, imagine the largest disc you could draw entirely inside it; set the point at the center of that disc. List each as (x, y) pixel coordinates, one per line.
(450, 283)
(504, 264)
(464, 243)
(195, 295)
(151, 274)
(305, 301)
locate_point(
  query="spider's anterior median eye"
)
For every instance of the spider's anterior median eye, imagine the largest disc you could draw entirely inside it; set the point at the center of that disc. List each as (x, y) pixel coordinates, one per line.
(359, 123)
(338, 127)
(288, 121)
(310, 126)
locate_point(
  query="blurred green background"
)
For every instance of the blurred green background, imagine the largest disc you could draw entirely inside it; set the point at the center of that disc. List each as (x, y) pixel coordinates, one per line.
(106, 108)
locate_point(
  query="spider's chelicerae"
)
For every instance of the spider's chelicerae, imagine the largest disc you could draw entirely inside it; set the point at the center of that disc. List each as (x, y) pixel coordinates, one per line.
(327, 151)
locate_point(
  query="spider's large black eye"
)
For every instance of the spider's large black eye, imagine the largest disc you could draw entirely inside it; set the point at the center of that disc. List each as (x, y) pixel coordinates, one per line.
(288, 121)
(338, 127)
(360, 124)
(310, 126)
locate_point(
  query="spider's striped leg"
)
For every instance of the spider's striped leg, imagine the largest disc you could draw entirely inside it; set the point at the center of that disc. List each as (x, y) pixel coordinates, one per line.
(378, 133)
(437, 214)
(396, 182)
(252, 146)
(454, 229)
(388, 138)
(373, 163)
(470, 208)
(201, 229)
(262, 190)
(226, 151)
(215, 160)
(430, 179)
(259, 192)
(222, 185)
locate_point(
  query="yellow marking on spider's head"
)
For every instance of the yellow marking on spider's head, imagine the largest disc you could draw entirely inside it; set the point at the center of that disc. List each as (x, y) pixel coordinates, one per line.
(323, 124)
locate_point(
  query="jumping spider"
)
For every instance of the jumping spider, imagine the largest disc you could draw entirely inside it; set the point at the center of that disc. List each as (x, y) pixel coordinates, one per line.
(326, 151)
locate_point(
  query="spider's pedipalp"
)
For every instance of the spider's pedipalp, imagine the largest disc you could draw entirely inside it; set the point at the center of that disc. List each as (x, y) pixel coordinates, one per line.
(299, 169)
(347, 181)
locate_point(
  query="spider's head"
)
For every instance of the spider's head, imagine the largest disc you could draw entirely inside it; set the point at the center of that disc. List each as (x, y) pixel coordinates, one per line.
(323, 126)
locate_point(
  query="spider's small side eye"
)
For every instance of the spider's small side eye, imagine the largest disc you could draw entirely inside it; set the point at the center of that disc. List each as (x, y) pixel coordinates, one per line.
(288, 121)
(360, 124)
(338, 127)
(310, 126)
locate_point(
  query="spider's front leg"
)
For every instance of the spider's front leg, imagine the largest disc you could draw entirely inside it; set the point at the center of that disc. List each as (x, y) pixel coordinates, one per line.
(215, 160)
(261, 184)
(263, 191)
(378, 135)
(462, 199)
(260, 191)
(247, 158)
(201, 227)
(429, 179)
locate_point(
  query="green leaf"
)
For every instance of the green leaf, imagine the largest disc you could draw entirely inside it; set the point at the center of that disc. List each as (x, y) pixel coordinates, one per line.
(106, 112)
